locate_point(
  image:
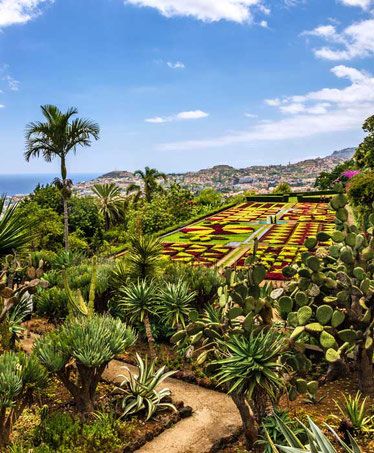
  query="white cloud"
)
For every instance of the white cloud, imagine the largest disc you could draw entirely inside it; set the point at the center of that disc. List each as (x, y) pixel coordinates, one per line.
(19, 11)
(327, 110)
(357, 40)
(176, 65)
(264, 24)
(273, 102)
(362, 3)
(205, 10)
(188, 115)
(13, 84)
(2, 106)
(250, 115)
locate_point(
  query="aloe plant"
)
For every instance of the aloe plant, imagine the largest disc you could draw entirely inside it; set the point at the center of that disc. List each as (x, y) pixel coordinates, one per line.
(141, 392)
(317, 440)
(354, 408)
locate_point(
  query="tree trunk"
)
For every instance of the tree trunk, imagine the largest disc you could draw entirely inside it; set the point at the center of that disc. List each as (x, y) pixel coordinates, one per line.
(249, 426)
(365, 370)
(335, 371)
(4, 436)
(151, 340)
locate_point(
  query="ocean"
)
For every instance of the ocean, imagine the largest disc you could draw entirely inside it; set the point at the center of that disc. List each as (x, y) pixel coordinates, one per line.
(23, 184)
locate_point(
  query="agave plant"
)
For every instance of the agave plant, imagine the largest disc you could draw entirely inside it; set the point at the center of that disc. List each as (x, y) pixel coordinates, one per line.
(176, 303)
(17, 315)
(140, 390)
(354, 408)
(14, 230)
(317, 440)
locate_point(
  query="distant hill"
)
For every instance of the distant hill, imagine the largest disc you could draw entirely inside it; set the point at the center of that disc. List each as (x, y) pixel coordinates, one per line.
(346, 153)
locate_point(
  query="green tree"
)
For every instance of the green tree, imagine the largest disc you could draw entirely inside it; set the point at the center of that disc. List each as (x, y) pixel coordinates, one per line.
(327, 180)
(89, 342)
(209, 196)
(364, 155)
(110, 201)
(149, 178)
(47, 196)
(283, 188)
(85, 219)
(56, 138)
(46, 226)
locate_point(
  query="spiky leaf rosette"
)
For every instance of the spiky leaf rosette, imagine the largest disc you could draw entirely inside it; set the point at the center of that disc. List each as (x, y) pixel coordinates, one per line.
(141, 390)
(176, 303)
(89, 341)
(252, 362)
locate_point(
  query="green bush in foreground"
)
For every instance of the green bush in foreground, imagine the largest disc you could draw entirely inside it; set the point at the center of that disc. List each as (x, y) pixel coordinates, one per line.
(19, 378)
(89, 342)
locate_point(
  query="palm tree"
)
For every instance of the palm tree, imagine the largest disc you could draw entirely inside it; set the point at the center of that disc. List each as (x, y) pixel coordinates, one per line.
(176, 303)
(138, 301)
(14, 231)
(149, 178)
(57, 137)
(109, 197)
(144, 258)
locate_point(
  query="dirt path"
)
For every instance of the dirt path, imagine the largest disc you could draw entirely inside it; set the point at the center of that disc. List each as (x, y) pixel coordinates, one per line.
(214, 414)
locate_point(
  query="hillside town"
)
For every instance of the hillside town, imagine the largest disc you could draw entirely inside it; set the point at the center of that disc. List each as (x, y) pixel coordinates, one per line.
(300, 176)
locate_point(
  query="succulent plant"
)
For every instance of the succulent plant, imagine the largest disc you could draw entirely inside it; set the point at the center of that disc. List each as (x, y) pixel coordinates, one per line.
(16, 282)
(331, 296)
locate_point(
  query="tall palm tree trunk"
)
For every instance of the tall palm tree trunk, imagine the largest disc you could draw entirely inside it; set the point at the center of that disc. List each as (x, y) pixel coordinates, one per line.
(66, 224)
(65, 201)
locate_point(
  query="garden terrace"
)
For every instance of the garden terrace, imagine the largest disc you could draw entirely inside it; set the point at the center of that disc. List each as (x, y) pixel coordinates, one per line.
(210, 240)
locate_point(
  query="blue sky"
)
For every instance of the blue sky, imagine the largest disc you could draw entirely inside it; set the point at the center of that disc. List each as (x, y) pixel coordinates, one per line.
(186, 84)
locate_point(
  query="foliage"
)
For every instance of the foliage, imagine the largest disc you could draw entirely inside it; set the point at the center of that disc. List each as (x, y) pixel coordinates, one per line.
(209, 196)
(17, 316)
(46, 226)
(66, 259)
(90, 342)
(332, 299)
(364, 155)
(86, 220)
(140, 390)
(317, 441)
(283, 188)
(137, 302)
(14, 230)
(52, 303)
(110, 201)
(250, 364)
(144, 258)
(175, 303)
(58, 136)
(354, 408)
(149, 178)
(361, 191)
(236, 343)
(201, 280)
(327, 180)
(19, 378)
(47, 197)
(59, 432)
(270, 427)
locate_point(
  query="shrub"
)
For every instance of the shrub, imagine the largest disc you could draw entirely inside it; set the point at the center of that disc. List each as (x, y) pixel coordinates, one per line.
(19, 378)
(140, 390)
(90, 342)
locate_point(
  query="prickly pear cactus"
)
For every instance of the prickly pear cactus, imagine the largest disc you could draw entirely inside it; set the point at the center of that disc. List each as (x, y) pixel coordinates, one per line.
(332, 294)
(15, 281)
